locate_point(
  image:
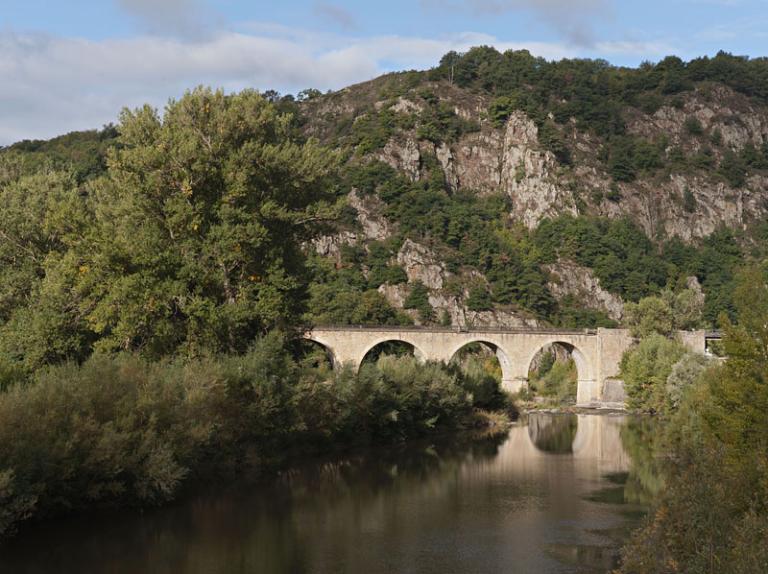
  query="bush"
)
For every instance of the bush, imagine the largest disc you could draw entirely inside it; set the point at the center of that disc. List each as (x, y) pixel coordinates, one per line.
(664, 313)
(556, 379)
(122, 431)
(693, 126)
(733, 169)
(418, 299)
(649, 315)
(645, 370)
(479, 299)
(481, 378)
(684, 374)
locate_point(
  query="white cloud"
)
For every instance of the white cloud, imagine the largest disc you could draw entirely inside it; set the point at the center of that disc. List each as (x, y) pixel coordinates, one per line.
(52, 85)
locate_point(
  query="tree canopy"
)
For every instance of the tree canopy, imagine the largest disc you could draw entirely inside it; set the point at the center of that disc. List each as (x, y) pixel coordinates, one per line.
(191, 241)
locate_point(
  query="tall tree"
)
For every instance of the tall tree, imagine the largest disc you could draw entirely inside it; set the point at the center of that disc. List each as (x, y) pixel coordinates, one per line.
(200, 223)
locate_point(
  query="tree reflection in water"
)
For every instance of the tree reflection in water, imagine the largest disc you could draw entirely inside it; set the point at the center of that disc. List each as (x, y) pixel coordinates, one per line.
(641, 438)
(522, 502)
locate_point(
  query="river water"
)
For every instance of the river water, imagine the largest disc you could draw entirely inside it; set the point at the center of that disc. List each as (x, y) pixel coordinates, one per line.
(559, 493)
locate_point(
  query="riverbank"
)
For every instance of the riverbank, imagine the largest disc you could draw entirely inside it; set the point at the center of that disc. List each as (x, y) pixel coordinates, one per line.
(119, 431)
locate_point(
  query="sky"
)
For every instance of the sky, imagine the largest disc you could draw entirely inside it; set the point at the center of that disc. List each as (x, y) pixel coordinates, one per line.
(74, 64)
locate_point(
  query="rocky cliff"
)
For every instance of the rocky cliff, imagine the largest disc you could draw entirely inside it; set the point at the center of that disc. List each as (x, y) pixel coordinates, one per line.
(508, 157)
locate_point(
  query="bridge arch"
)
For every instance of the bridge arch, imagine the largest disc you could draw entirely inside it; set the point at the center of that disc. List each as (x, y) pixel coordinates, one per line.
(417, 352)
(335, 363)
(507, 372)
(583, 366)
(585, 371)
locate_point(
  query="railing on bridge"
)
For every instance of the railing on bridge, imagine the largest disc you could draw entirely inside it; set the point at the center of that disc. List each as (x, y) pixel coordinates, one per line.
(440, 329)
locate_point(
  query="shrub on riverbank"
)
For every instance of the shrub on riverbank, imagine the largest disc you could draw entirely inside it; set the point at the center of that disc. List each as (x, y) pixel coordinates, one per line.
(713, 515)
(118, 430)
(645, 369)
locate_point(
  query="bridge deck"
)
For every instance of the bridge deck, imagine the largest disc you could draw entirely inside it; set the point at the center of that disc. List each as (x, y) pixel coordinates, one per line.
(436, 329)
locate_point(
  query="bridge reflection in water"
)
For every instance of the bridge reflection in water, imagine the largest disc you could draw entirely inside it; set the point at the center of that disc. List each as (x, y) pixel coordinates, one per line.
(592, 444)
(520, 503)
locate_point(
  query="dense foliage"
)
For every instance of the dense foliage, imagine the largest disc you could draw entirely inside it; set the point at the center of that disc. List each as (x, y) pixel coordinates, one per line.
(713, 515)
(120, 430)
(177, 175)
(657, 371)
(84, 153)
(139, 263)
(191, 241)
(555, 378)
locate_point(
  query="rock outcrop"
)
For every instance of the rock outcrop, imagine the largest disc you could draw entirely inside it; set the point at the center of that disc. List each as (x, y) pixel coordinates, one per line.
(570, 279)
(421, 264)
(510, 159)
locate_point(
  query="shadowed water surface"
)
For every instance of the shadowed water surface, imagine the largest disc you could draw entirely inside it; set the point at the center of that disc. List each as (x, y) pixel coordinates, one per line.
(559, 493)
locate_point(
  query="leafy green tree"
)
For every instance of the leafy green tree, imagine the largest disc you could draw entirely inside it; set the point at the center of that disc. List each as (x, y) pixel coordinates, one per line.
(552, 140)
(645, 370)
(621, 160)
(687, 307)
(418, 298)
(648, 155)
(338, 304)
(83, 154)
(199, 225)
(683, 376)
(664, 313)
(44, 219)
(479, 299)
(712, 516)
(650, 315)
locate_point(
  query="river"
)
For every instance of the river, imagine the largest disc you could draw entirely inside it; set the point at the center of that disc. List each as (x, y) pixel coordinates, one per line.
(558, 493)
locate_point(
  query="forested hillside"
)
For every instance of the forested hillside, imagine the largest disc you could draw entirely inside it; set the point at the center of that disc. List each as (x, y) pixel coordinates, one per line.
(501, 188)
(492, 189)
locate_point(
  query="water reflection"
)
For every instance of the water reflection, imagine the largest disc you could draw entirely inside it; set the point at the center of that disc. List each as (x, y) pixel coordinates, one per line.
(553, 434)
(524, 502)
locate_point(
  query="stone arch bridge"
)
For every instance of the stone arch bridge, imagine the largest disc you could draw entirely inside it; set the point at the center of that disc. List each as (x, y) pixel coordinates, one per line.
(596, 352)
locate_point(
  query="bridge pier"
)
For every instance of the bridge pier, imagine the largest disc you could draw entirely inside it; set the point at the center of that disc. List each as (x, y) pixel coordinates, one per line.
(514, 385)
(587, 392)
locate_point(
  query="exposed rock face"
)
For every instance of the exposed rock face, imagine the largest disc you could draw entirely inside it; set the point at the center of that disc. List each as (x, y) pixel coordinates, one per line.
(421, 264)
(568, 278)
(330, 245)
(459, 315)
(404, 105)
(403, 156)
(369, 214)
(445, 157)
(738, 121)
(512, 162)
